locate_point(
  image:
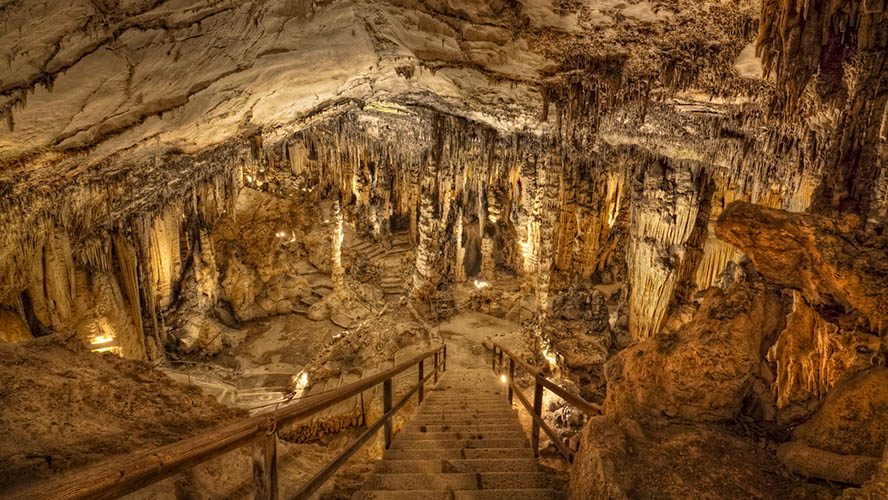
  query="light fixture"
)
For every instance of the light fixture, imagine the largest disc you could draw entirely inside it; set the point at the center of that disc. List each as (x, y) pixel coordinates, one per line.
(503, 379)
(481, 284)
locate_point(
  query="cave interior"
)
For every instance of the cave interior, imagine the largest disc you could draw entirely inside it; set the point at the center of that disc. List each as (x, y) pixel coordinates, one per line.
(674, 211)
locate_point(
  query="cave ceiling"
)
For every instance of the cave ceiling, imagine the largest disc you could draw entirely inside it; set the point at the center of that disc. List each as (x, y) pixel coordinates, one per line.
(87, 82)
(137, 101)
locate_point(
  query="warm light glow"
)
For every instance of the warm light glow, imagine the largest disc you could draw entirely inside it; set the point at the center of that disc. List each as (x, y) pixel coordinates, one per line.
(481, 284)
(503, 379)
(613, 216)
(525, 248)
(550, 357)
(300, 381)
(101, 340)
(249, 178)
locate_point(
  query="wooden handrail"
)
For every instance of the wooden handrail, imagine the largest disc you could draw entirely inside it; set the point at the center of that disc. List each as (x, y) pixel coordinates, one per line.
(540, 383)
(125, 475)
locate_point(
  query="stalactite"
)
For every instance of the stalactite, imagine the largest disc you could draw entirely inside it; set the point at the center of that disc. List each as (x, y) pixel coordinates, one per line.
(143, 238)
(164, 254)
(664, 214)
(128, 276)
(813, 354)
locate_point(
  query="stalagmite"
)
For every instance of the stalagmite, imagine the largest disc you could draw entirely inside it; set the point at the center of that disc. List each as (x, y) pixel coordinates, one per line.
(426, 276)
(338, 271)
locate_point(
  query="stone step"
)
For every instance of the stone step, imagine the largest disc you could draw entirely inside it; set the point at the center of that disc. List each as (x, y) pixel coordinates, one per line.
(527, 494)
(375, 252)
(487, 398)
(362, 246)
(450, 435)
(452, 453)
(462, 421)
(424, 444)
(480, 406)
(463, 481)
(509, 494)
(410, 427)
(458, 465)
(502, 413)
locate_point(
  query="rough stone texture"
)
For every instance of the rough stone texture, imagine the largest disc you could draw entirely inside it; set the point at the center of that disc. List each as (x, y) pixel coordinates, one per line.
(811, 356)
(662, 460)
(876, 488)
(13, 328)
(578, 327)
(705, 369)
(835, 264)
(85, 407)
(259, 250)
(814, 462)
(853, 419)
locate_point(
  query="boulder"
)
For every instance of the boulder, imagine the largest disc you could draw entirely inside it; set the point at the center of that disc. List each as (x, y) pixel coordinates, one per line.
(833, 262)
(662, 460)
(705, 369)
(13, 328)
(853, 419)
(874, 489)
(802, 459)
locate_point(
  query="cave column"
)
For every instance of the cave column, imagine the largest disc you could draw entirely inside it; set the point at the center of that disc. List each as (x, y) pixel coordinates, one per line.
(528, 225)
(488, 265)
(459, 272)
(338, 271)
(426, 276)
(546, 208)
(548, 204)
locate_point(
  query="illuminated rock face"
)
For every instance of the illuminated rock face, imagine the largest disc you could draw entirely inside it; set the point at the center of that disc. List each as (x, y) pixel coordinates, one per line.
(833, 262)
(664, 218)
(706, 369)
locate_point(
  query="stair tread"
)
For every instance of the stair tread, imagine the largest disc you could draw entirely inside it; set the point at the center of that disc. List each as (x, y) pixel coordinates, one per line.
(462, 480)
(439, 453)
(459, 465)
(462, 442)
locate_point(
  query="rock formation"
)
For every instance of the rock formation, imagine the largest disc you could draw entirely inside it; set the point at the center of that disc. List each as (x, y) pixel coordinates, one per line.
(705, 370)
(683, 203)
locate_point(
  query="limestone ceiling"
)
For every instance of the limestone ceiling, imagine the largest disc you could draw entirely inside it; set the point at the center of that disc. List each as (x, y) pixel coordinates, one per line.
(97, 77)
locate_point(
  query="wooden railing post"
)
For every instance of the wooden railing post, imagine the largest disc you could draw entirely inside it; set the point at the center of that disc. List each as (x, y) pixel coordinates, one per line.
(445, 358)
(421, 385)
(494, 359)
(386, 406)
(265, 480)
(436, 368)
(501, 361)
(538, 410)
(511, 376)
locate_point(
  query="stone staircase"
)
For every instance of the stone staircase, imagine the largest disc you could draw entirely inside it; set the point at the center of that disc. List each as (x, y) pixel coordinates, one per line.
(463, 443)
(392, 279)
